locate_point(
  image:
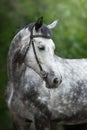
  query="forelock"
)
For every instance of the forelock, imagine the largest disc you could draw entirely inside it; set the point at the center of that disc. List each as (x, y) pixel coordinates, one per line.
(44, 30)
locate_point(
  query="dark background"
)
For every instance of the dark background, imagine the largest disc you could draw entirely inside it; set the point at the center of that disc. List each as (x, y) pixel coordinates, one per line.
(70, 36)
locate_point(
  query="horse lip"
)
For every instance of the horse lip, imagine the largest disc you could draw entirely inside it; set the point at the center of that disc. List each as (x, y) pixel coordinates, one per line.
(51, 86)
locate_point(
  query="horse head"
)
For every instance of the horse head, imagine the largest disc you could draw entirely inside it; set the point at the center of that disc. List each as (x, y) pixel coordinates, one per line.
(36, 50)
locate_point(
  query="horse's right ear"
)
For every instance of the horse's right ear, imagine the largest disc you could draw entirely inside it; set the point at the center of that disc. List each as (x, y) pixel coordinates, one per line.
(39, 23)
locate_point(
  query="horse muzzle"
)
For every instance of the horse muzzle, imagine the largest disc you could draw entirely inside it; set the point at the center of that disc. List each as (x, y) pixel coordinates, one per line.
(52, 81)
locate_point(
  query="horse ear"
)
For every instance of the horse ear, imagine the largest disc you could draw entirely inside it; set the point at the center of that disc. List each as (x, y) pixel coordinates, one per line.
(39, 23)
(53, 24)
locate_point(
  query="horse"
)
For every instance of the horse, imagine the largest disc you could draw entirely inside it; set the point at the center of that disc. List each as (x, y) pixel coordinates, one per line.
(43, 87)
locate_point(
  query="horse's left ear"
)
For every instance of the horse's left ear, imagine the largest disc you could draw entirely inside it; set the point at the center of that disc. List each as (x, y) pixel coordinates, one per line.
(53, 24)
(39, 23)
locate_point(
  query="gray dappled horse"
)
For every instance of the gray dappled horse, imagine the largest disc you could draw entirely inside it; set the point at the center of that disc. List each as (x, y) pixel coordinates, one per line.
(33, 70)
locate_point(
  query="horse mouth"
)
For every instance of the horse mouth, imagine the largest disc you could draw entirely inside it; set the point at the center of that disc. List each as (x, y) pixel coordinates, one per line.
(53, 86)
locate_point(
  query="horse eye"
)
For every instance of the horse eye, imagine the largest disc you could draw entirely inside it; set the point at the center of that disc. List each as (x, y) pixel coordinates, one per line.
(42, 48)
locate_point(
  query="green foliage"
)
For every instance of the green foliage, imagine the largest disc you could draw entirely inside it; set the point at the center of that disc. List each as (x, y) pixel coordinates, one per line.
(69, 35)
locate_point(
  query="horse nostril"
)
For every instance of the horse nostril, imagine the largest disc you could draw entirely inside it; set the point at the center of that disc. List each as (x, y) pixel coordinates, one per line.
(55, 81)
